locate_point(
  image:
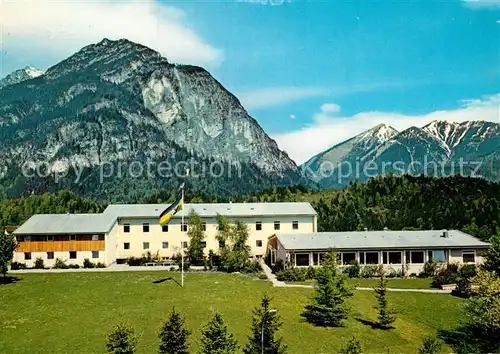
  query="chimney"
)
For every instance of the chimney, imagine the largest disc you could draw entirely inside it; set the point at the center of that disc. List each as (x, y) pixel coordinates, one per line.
(366, 229)
(386, 228)
(446, 234)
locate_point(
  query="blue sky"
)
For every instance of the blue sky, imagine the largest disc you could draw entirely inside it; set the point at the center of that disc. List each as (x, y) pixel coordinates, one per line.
(398, 62)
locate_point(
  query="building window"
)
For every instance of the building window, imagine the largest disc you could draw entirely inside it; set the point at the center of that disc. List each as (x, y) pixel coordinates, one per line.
(392, 257)
(126, 228)
(50, 255)
(50, 238)
(276, 225)
(258, 225)
(438, 256)
(164, 245)
(72, 237)
(348, 257)
(415, 257)
(302, 259)
(72, 255)
(27, 256)
(27, 238)
(184, 244)
(164, 228)
(203, 244)
(184, 227)
(145, 245)
(371, 258)
(95, 237)
(204, 226)
(145, 227)
(468, 257)
(295, 225)
(126, 246)
(95, 254)
(258, 243)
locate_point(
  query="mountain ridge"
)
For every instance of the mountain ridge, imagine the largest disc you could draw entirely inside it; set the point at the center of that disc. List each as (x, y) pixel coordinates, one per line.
(438, 142)
(117, 101)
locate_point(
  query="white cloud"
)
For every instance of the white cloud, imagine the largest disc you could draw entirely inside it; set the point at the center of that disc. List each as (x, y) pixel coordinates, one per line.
(326, 131)
(277, 96)
(330, 108)
(64, 27)
(265, 2)
(482, 4)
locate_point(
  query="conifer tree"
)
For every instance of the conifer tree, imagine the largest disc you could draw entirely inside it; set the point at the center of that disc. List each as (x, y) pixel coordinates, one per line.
(217, 339)
(7, 247)
(121, 340)
(265, 324)
(329, 307)
(386, 315)
(174, 335)
(353, 346)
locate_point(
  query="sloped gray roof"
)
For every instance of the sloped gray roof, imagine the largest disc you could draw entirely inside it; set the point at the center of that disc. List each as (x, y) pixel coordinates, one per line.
(211, 210)
(53, 224)
(378, 240)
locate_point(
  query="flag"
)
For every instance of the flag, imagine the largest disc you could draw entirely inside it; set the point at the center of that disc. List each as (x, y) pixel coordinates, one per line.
(170, 211)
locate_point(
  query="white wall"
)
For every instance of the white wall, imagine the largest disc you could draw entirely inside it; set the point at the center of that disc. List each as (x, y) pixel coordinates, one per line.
(136, 237)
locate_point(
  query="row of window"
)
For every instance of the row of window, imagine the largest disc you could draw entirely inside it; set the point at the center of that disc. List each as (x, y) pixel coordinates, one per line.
(61, 238)
(184, 244)
(388, 257)
(184, 227)
(50, 255)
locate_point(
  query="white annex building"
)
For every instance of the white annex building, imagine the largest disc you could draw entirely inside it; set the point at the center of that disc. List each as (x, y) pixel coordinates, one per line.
(131, 230)
(393, 249)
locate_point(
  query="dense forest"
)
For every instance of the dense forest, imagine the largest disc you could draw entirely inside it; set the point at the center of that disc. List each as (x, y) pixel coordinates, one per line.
(395, 202)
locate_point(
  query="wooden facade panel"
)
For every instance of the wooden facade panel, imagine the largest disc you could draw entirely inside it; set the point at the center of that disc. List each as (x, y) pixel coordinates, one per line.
(60, 246)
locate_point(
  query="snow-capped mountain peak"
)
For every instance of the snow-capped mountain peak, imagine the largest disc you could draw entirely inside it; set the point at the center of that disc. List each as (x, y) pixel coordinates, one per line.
(20, 75)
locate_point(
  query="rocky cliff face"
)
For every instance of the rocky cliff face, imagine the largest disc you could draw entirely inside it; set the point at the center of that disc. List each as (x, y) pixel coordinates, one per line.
(438, 149)
(119, 102)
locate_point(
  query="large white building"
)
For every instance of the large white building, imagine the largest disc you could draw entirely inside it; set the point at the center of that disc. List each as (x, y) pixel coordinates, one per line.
(128, 230)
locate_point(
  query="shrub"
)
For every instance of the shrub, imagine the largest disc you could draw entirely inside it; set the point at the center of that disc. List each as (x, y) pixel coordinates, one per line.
(292, 274)
(135, 261)
(253, 267)
(262, 276)
(467, 271)
(430, 345)
(311, 272)
(60, 264)
(88, 264)
(353, 270)
(373, 270)
(39, 263)
(100, 265)
(447, 274)
(74, 266)
(430, 268)
(17, 266)
(394, 273)
(178, 260)
(463, 288)
(279, 265)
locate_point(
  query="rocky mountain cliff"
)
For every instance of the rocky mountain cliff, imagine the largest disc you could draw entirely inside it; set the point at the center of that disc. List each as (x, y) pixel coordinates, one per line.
(438, 149)
(117, 105)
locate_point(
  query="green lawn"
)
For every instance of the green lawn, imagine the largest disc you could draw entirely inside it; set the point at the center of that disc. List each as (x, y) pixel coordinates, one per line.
(72, 312)
(417, 283)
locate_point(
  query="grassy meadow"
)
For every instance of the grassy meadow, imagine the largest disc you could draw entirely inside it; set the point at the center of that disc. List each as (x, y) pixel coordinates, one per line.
(73, 312)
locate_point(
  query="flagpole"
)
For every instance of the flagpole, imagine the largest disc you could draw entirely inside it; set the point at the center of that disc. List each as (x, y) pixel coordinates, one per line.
(182, 249)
